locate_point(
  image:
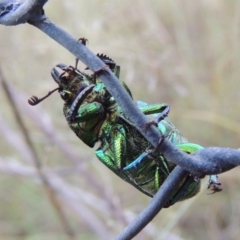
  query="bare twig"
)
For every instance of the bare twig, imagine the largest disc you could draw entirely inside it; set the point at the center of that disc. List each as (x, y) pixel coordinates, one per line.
(16, 140)
(17, 12)
(49, 191)
(149, 212)
(73, 198)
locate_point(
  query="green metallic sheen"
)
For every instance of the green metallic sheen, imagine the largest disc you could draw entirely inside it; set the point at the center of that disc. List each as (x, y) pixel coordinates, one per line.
(97, 117)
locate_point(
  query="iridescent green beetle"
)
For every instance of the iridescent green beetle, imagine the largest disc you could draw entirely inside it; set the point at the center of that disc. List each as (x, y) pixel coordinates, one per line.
(93, 114)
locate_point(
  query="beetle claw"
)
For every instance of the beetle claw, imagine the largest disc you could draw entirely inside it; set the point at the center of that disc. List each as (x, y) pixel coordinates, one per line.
(102, 69)
(158, 119)
(214, 184)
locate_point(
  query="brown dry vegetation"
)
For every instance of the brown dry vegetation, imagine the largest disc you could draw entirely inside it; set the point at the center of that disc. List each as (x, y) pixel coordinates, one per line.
(184, 53)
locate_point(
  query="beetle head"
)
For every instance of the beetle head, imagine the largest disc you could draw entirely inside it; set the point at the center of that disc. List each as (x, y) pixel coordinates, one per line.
(70, 80)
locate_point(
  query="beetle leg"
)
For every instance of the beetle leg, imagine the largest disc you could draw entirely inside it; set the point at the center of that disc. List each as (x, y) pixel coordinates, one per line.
(136, 162)
(187, 189)
(214, 184)
(144, 156)
(118, 144)
(102, 69)
(163, 114)
(77, 102)
(86, 112)
(161, 110)
(113, 150)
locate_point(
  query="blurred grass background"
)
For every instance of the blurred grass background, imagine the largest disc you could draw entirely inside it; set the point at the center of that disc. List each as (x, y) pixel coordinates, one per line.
(184, 53)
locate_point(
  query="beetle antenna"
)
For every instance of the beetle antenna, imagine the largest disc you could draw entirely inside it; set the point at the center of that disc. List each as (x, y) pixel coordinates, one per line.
(35, 100)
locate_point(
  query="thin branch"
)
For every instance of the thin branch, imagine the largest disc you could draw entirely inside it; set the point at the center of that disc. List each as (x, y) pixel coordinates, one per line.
(73, 198)
(166, 190)
(18, 12)
(49, 191)
(15, 139)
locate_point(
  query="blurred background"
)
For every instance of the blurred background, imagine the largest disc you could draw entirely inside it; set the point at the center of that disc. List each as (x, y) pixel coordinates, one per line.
(184, 53)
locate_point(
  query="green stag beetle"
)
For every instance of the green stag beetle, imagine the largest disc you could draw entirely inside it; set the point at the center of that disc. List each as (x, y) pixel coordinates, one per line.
(93, 114)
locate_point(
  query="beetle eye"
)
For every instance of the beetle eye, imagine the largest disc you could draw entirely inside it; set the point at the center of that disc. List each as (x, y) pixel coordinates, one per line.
(65, 95)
